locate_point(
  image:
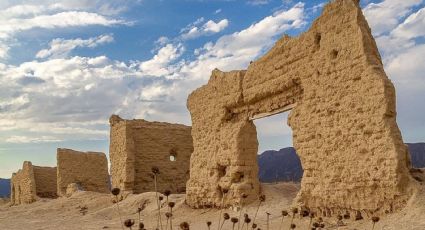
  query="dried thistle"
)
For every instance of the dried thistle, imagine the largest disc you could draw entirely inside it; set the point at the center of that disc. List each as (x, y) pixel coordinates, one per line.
(141, 226)
(224, 191)
(261, 198)
(155, 170)
(243, 196)
(129, 223)
(375, 219)
(171, 204)
(293, 226)
(167, 193)
(268, 220)
(184, 226)
(226, 216)
(234, 220)
(284, 213)
(209, 224)
(294, 212)
(116, 192)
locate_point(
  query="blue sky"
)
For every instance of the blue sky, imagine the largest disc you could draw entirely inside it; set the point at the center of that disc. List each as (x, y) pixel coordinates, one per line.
(66, 66)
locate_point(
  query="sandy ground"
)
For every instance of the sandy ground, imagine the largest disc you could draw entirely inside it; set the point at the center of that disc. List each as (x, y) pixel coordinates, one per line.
(64, 213)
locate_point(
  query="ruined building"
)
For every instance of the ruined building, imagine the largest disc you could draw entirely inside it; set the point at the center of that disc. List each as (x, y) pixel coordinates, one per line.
(32, 182)
(342, 114)
(89, 170)
(138, 145)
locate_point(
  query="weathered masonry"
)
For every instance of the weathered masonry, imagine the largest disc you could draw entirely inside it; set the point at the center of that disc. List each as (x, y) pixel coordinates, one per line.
(89, 170)
(342, 113)
(138, 145)
(32, 182)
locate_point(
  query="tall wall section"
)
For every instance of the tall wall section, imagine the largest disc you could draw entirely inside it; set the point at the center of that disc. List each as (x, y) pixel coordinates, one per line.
(138, 145)
(87, 169)
(343, 118)
(23, 185)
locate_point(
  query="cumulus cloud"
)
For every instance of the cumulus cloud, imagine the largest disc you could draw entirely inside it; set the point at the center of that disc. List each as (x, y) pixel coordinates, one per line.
(210, 27)
(258, 2)
(26, 139)
(62, 47)
(159, 65)
(399, 27)
(72, 97)
(386, 15)
(20, 16)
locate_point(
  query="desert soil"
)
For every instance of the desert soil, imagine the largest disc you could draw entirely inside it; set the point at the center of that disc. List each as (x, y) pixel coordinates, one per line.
(65, 213)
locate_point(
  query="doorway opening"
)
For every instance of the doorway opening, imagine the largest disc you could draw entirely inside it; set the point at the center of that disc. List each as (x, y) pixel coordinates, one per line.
(277, 159)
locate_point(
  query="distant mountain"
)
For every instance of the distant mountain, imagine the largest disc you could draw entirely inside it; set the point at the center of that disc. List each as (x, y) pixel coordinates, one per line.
(284, 165)
(4, 187)
(417, 154)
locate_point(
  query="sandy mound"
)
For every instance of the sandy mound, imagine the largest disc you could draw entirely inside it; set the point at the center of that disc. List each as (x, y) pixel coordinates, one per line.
(101, 212)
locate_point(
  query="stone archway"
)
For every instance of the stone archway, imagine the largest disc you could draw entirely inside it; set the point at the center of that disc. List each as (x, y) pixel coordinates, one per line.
(342, 115)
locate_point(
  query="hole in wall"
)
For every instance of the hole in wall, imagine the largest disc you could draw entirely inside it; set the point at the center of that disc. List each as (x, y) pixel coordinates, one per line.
(277, 159)
(173, 154)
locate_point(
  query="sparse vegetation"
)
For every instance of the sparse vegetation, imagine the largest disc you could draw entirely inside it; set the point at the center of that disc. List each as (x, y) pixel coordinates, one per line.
(261, 199)
(375, 219)
(284, 213)
(224, 191)
(234, 220)
(129, 223)
(184, 226)
(116, 192)
(155, 172)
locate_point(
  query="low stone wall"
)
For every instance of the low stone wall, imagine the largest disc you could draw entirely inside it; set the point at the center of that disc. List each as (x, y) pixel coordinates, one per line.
(32, 182)
(138, 145)
(87, 169)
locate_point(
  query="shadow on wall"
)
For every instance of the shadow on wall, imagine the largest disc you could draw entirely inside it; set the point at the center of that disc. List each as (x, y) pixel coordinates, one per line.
(285, 165)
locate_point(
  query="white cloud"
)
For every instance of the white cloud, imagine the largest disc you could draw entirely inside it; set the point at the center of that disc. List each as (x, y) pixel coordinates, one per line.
(26, 139)
(236, 50)
(20, 16)
(73, 97)
(398, 27)
(159, 65)
(258, 2)
(386, 15)
(217, 11)
(62, 47)
(412, 27)
(59, 20)
(210, 27)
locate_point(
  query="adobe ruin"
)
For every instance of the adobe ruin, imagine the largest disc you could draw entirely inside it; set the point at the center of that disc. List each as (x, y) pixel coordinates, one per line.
(138, 145)
(342, 113)
(31, 183)
(88, 170)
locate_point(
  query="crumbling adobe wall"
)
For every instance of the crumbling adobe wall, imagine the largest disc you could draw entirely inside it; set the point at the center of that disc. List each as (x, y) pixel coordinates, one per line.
(87, 169)
(343, 118)
(45, 181)
(138, 145)
(32, 182)
(23, 185)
